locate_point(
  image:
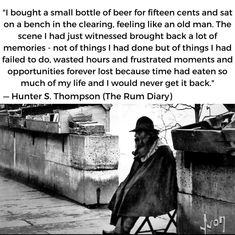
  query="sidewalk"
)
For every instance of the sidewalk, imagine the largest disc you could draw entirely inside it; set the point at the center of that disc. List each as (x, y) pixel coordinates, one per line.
(26, 210)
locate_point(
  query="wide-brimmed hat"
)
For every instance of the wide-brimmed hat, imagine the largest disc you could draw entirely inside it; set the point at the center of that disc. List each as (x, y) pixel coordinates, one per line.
(145, 124)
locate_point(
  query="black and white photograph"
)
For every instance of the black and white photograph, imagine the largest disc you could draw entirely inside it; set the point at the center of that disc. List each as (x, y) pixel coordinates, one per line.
(117, 169)
(117, 117)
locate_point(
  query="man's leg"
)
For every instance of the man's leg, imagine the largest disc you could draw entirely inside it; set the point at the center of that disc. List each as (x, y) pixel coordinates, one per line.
(125, 224)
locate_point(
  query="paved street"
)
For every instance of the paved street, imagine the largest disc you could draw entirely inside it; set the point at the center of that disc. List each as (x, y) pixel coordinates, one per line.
(25, 210)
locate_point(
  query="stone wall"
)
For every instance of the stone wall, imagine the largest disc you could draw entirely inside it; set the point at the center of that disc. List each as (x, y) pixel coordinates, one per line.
(206, 198)
(83, 168)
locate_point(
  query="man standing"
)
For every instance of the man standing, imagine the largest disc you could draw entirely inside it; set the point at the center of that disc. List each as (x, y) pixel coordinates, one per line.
(150, 188)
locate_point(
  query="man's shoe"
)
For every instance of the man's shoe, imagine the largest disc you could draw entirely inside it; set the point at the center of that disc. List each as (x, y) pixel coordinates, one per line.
(109, 232)
(113, 232)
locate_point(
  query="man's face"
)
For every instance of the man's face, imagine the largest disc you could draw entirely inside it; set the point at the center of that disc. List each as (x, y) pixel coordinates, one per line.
(141, 139)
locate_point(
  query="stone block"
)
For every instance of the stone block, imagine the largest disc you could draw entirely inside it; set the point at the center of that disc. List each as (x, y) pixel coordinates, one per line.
(200, 215)
(85, 187)
(30, 154)
(209, 175)
(36, 169)
(44, 159)
(6, 159)
(184, 173)
(94, 152)
(31, 143)
(57, 149)
(49, 174)
(93, 187)
(6, 148)
(6, 139)
(38, 144)
(22, 152)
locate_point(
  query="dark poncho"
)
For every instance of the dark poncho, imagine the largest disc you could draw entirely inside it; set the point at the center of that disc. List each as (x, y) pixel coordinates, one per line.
(150, 189)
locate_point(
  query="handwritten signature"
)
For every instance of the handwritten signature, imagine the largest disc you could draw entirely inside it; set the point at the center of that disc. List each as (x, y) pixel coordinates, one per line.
(209, 224)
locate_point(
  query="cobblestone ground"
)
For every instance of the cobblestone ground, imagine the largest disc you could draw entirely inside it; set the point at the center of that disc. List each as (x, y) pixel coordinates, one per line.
(26, 210)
